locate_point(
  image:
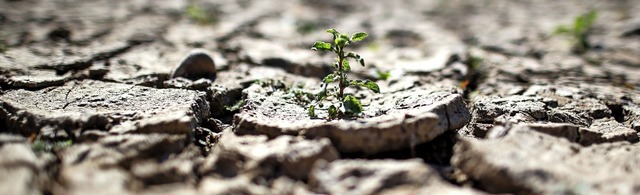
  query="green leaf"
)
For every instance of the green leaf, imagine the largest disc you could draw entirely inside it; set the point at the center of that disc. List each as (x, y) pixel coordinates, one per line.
(341, 42)
(361, 61)
(329, 78)
(584, 22)
(578, 24)
(352, 105)
(358, 36)
(235, 107)
(345, 36)
(332, 31)
(345, 65)
(323, 92)
(312, 111)
(319, 45)
(372, 86)
(590, 18)
(198, 14)
(333, 112)
(366, 84)
(383, 75)
(356, 56)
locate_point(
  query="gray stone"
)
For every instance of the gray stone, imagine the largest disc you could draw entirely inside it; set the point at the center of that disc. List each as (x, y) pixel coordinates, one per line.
(100, 105)
(257, 156)
(505, 164)
(379, 177)
(198, 64)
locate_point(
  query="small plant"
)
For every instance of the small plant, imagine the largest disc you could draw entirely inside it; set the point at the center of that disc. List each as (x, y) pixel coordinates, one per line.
(348, 105)
(41, 146)
(579, 31)
(198, 14)
(235, 107)
(383, 75)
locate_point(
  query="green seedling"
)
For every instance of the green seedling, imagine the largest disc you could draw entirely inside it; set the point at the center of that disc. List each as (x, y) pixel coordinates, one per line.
(348, 105)
(383, 75)
(198, 14)
(235, 107)
(579, 31)
(41, 146)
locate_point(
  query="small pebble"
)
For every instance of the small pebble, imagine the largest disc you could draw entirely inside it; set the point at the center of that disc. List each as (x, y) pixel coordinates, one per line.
(198, 64)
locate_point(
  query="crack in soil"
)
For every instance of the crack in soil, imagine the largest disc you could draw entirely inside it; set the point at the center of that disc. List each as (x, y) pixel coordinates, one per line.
(87, 62)
(66, 97)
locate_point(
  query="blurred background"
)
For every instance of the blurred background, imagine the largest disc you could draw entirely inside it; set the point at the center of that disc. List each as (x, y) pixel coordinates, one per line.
(405, 36)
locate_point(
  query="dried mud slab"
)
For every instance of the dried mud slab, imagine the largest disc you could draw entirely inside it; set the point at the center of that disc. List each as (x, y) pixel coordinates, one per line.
(390, 121)
(380, 177)
(44, 65)
(244, 185)
(126, 163)
(256, 156)
(100, 105)
(599, 113)
(504, 164)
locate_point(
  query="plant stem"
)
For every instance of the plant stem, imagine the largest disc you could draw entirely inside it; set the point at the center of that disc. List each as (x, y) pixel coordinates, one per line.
(341, 83)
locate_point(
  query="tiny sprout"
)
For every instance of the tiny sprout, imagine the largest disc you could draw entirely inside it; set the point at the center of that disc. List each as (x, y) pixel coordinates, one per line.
(199, 15)
(579, 31)
(348, 104)
(383, 75)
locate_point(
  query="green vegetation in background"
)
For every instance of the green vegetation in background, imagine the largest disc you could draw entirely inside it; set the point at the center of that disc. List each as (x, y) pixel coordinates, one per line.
(198, 14)
(383, 75)
(306, 26)
(41, 146)
(348, 105)
(235, 107)
(579, 31)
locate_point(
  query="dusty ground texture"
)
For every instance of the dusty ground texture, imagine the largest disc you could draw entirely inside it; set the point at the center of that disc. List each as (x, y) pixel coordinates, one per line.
(482, 98)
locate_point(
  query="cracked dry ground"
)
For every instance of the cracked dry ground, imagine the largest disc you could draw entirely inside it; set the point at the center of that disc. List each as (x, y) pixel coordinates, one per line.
(88, 104)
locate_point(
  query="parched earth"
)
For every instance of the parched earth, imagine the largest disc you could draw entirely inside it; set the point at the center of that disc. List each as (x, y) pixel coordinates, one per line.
(209, 97)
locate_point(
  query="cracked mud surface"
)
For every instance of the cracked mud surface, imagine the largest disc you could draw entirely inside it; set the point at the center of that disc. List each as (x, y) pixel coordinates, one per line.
(482, 98)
